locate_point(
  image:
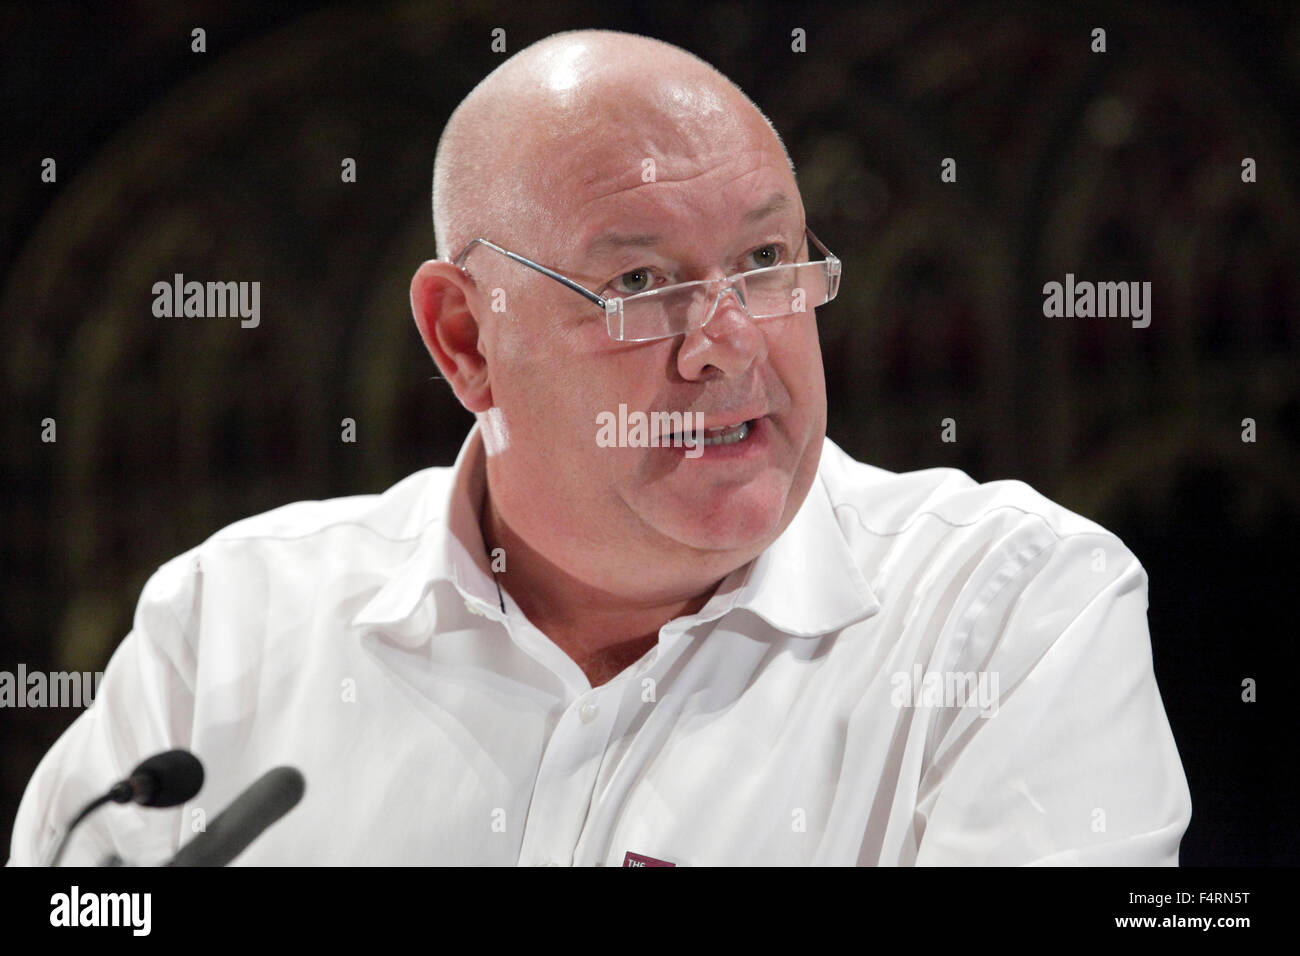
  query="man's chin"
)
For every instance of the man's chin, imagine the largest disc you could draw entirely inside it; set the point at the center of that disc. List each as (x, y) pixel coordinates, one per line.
(744, 518)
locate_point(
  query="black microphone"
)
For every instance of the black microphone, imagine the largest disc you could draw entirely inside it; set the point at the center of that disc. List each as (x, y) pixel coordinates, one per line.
(273, 795)
(163, 780)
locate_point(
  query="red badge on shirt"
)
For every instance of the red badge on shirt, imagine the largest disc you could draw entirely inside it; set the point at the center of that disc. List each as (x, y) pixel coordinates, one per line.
(640, 859)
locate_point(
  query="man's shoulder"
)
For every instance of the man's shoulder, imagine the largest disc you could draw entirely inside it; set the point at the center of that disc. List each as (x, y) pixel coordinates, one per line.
(304, 533)
(949, 552)
(885, 504)
(400, 512)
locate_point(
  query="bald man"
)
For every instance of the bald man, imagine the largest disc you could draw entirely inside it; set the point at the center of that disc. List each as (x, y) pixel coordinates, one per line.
(702, 636)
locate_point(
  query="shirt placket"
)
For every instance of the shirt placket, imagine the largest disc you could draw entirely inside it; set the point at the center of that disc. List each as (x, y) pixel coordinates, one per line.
(571, 760)
(566, 779)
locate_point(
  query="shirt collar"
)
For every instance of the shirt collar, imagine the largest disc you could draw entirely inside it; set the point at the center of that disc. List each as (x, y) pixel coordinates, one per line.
(450, 548)
(805, 583)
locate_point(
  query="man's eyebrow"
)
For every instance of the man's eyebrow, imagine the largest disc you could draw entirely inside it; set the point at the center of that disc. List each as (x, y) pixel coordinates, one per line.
(775, 203)
(610, 239)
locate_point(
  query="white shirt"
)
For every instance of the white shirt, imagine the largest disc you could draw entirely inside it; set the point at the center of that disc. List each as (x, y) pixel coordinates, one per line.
(796, 719)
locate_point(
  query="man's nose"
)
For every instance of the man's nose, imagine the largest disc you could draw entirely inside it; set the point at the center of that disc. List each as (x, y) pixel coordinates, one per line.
(729, 340)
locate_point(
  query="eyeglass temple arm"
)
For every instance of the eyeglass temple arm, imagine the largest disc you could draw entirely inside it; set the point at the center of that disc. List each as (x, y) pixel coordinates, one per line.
(832, 260)
(532, 265)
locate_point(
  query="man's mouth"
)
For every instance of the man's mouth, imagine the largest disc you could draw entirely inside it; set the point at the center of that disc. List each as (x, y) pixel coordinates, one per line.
(726, 434)
(721, 435)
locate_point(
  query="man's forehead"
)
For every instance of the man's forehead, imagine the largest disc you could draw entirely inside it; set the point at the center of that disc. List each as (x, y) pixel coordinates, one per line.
(615, 239)
(631, 188)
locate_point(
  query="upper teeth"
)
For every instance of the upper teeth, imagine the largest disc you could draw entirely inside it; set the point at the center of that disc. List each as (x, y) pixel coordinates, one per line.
(726, 435)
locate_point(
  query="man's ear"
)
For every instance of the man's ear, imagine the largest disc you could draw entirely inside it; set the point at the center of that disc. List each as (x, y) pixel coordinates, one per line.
(440, 302)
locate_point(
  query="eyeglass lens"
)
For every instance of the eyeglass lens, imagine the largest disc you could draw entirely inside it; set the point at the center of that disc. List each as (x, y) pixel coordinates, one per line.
(766, 293)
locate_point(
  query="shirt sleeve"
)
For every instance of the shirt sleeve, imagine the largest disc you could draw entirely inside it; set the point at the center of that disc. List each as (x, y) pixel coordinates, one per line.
(144, 706)
(1077, 764)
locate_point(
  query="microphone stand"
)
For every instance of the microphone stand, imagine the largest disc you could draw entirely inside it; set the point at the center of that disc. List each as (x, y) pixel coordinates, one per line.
(86, 811)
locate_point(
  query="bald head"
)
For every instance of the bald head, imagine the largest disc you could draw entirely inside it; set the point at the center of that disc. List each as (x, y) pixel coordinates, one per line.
(501, 169)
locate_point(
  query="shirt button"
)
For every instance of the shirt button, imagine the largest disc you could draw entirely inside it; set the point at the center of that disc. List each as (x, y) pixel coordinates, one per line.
(473, 608)
(587, 713)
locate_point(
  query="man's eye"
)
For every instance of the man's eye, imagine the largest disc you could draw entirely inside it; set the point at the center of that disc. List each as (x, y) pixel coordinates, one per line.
(638, 280)
(765, 256)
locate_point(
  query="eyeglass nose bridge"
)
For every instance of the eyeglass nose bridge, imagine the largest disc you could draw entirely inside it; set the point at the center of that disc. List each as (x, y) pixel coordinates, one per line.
(614, 315)
(734, 284)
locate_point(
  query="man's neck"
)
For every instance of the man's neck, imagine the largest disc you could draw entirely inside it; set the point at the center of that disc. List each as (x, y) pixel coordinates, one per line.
(602, 632)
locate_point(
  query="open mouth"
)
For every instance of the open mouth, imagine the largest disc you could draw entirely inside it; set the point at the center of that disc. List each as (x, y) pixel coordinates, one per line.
(721, 435)
(726, 434)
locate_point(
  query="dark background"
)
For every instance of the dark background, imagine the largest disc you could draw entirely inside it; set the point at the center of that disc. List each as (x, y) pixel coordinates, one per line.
(225, 165)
